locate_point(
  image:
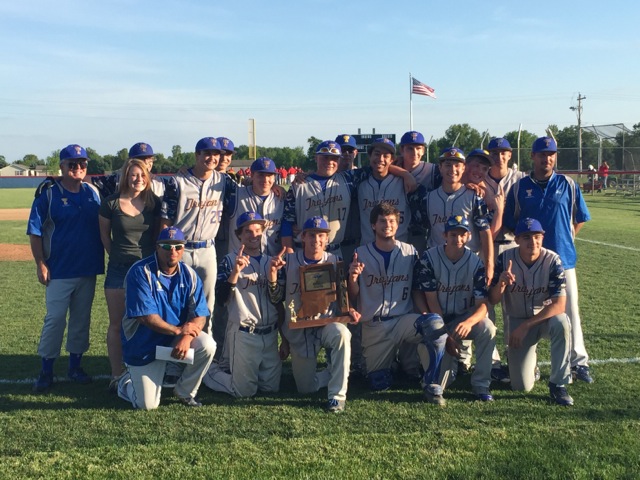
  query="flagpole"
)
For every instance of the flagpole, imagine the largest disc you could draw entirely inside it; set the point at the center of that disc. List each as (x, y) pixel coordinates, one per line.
(410, 102)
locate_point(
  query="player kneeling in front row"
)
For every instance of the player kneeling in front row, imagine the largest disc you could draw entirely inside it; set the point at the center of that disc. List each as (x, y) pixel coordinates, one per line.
(532, 283)
(305, 343)
(383, 280)
(165, 307)
(252, 331)
(454, 285)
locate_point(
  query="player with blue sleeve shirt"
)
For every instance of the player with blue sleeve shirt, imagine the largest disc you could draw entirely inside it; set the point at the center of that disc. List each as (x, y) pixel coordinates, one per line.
(65, 242)
(166, 307)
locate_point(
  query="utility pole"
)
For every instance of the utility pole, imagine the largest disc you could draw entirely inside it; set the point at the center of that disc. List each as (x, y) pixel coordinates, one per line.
(578, 111)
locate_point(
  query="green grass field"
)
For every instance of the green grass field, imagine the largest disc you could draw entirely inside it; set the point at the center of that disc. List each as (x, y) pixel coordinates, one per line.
(84, 432)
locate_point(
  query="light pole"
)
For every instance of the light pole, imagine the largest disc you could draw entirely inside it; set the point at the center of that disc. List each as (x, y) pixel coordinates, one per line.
(578, 111)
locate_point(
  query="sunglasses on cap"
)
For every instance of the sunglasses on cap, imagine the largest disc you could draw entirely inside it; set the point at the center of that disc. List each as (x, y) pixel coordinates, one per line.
(74, 165)
(330, 150)
(171, 246)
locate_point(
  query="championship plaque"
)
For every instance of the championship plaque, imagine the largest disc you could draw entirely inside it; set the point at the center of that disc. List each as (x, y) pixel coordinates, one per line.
(321, 285)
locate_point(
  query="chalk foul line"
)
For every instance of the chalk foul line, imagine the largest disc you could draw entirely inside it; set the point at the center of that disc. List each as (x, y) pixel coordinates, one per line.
(612, 245)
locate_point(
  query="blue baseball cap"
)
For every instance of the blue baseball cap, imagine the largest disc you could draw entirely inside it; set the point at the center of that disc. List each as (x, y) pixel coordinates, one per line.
(247, 218)
(346, 140)
(499, 143)
(528, 225)
(480, 153)
(383, 143)
(412, 138)
(452, 153)
(544, 144)
(140, 150)
(316, 223)
(457, 221)
(329, 147)
(73, 152)
(226, 144)
(171, 235)
(208, 143)
(264, 164)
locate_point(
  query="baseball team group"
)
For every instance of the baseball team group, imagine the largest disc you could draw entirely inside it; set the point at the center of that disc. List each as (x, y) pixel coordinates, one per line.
(203, 278)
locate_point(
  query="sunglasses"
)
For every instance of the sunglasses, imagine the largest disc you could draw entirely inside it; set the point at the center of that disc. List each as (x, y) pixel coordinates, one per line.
(170, 246)
(75, 165)
(457, 221)
(330, 150)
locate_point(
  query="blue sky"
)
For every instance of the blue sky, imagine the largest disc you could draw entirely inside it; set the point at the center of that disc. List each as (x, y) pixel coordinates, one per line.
(109, 74)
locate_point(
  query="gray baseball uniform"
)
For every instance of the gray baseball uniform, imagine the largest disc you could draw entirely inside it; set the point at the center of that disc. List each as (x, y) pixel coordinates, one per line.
(252, 332)
(391, 190)
(534, 285)
(440, 205)
(460, 286)
(385, 302)
(306, 342)
(195, 207)
(271, 208)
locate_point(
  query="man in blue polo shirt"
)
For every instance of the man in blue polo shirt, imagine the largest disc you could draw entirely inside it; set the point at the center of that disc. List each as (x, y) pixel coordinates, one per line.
(65, 242)
(555, 200)
(165, 307)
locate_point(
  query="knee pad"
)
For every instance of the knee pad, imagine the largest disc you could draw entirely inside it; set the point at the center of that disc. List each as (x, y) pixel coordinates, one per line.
(380, 379)
(429, 324)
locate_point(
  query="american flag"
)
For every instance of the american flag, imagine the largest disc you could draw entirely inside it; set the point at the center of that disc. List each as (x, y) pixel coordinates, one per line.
(420, 88)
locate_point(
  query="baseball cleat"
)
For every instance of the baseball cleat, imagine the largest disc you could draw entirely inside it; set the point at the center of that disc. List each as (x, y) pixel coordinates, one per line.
(500, 374)
(558, 394)
(78, 375)
(483, 394)
(433, 394)
(189, 401)
(581, 372)
(43, 382)
(334, 405)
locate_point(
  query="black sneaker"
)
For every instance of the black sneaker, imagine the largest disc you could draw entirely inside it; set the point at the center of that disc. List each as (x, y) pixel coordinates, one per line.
(77, 375)
(43, 382)
(500, 374)
(558, 394)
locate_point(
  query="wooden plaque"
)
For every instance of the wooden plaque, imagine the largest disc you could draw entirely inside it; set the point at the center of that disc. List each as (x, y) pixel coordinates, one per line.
(321, 285)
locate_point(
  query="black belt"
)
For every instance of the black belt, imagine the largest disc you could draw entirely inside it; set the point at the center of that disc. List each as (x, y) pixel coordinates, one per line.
(383, 319)
(259, 331)
(201, 244)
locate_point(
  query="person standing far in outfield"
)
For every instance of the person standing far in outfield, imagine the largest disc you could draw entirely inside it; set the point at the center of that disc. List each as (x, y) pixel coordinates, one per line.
(193, 201)
(129, 225)
(531, 281)
(603, 173)
(165, 307)
(556, 201)
(65, 242)
(305, 343)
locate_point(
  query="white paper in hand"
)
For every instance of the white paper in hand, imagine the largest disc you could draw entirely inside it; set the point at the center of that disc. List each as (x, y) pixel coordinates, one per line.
(164, 353)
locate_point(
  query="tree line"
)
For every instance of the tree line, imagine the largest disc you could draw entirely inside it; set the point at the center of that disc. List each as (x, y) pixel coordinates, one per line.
(615, 151)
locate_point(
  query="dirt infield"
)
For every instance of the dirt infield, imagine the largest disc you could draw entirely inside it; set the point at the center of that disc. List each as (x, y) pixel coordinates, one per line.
(14, 214)
(10, 252)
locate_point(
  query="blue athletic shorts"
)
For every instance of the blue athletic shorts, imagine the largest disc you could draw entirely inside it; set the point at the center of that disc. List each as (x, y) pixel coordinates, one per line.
(115, 275)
